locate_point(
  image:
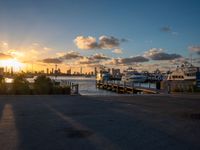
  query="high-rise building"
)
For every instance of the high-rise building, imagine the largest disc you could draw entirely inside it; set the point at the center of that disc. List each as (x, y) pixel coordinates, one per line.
(11, 71)
(95, 71)
(47, 70)
(81, 69)
(69, 71)
(1, 71)
(108, 70)
(52, 71)
(59, 71)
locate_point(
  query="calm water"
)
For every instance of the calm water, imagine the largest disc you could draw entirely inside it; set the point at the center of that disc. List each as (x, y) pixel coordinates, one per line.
(87, 86)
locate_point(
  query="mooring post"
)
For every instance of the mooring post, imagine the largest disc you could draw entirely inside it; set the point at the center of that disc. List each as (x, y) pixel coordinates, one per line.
(76, 89)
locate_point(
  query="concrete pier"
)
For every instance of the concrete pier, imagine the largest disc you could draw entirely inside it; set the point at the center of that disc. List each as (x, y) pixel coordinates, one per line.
(126, 88)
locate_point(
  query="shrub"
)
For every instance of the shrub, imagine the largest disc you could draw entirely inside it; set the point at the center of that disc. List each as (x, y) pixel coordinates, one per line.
(20, 85)
(43, 85)
(61, 90)
(3, 88)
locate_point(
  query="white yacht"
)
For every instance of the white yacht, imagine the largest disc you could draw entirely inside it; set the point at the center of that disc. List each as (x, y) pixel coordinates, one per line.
(131, 75)
(185, 72)
(103, 76)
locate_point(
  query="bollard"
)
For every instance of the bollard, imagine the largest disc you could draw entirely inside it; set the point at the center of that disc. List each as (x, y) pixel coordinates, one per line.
(76, 89)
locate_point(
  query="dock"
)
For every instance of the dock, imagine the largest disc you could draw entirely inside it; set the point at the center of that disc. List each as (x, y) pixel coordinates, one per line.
(124, 88)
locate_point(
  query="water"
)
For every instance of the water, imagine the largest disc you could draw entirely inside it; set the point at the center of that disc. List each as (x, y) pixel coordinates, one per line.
(87, 86)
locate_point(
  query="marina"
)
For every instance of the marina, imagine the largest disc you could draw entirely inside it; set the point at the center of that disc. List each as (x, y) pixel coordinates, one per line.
(127, 88)
(99, 75)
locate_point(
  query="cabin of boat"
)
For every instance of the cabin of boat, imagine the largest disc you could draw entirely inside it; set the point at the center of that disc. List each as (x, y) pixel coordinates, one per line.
(131, 75)
(185, 72)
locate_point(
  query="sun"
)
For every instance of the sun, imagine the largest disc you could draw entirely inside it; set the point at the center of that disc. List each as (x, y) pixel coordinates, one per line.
(15, 64)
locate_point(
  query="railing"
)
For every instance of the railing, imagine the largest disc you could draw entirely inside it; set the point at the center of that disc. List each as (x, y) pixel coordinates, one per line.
(127, 87)
(73, 86)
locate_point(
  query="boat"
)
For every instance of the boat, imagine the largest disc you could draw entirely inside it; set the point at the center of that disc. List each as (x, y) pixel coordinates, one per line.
(185, 72)
(103, 76)
(131, 75)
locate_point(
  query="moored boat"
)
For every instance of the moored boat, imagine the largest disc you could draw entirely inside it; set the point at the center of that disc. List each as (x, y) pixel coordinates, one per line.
(131, 75)
(185, 72)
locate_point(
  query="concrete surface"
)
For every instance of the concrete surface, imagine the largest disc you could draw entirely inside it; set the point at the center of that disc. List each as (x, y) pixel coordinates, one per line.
(100, 122)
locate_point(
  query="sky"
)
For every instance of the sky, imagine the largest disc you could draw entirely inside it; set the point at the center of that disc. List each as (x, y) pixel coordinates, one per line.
(92, 33)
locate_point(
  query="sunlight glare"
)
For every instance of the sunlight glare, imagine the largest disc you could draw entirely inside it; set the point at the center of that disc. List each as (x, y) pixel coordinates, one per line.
(11, 63)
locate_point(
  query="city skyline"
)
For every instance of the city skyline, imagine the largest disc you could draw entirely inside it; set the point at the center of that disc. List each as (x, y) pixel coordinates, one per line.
(142, 34)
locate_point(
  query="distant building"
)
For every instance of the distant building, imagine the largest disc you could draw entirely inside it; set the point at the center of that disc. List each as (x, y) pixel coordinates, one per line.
(1, 71)
(108, 70)
(95, 71)
(11, 71)
(69, 72)
(81, 70)
(47, 70)
(52, 71)
(59, 71)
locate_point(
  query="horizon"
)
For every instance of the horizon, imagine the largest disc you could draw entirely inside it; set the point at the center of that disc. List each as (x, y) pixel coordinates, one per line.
(116, 34)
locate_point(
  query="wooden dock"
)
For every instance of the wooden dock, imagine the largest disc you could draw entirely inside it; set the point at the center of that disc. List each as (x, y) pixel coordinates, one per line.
(125, 88)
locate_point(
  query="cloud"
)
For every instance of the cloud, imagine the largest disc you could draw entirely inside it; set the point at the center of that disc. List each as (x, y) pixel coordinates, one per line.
(166, 29)
(88, 61)
(33, 51)
(124, 40)
(105, 42)
(95, 59)
(16, 53)
(108, 42)
(52, 60)
(127, 61)
(132, 60)
(4, 45)
(5, 56)
(100, 57)
(179, 60)
(159, 54)
(194, 49)
(70, 55)
(117, 51)
(39, 47)
(114, 61)
(86, 43)
(153, 51)
(165, 56)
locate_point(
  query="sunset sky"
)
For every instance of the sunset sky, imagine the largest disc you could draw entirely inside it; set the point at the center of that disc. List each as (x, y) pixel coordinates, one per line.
(145, 34)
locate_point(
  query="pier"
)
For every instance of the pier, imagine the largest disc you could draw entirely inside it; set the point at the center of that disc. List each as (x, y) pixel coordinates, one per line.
(124, 88)
(74, 87)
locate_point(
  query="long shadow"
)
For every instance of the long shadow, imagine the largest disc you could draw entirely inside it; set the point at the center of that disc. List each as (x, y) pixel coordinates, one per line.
(61, 122)
(8, 132)
(40, 128)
